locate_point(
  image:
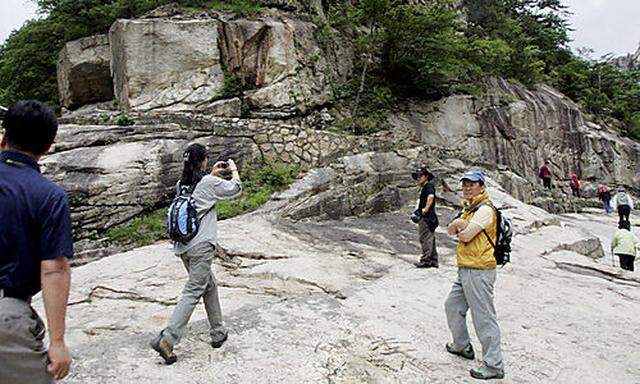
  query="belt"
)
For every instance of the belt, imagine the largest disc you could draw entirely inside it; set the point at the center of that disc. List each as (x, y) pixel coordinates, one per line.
(15, 295)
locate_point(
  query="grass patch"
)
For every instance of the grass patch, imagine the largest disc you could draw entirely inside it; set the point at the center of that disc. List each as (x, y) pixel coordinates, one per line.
(143, 230)
(258, 185)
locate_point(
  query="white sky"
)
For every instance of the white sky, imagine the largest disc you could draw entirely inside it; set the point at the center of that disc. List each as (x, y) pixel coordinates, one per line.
(603, 25)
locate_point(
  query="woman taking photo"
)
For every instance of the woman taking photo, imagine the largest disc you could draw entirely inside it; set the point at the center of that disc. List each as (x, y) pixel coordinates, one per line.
(197, 254)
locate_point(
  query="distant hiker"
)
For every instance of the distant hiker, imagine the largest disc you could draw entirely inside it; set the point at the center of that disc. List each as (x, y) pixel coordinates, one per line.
(428, 220)
(624, 204)
(575, 185)
(625, 245)
(546, 173)
(476, 229)
(198, 253)
(35, 244)
(604, 195)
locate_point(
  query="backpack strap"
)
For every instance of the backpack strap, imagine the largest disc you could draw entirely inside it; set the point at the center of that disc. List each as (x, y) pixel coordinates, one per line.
(487, 202)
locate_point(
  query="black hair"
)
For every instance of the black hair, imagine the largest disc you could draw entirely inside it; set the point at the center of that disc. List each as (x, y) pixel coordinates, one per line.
(624, 225)
(30, 126)
(193, 157)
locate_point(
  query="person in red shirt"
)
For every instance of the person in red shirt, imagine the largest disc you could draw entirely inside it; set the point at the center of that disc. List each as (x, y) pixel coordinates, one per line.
(546, 174)
(575, 185)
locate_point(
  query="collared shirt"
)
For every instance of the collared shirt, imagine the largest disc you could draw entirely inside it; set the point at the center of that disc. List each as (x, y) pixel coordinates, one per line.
(35, 223)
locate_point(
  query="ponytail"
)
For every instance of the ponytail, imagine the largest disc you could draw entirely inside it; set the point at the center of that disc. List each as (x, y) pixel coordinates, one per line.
(192, 160)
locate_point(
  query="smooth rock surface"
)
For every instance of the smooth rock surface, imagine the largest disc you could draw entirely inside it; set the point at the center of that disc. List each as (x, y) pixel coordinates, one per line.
(341, 302)
(165, 64)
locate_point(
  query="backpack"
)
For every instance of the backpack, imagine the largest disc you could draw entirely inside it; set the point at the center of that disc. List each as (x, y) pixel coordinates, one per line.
(182, 217)
(504, 234)
(622, 198)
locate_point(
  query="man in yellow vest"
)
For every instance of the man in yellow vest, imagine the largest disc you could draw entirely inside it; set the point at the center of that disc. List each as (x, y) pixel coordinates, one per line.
(473, 289)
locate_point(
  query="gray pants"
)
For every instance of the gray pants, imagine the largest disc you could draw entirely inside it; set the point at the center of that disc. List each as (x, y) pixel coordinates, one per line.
(23, 356)
(201, 283)
(473, 289)
(428, 244)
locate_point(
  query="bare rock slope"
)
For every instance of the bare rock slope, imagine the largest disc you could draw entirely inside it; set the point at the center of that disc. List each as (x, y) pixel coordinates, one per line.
(339, 301)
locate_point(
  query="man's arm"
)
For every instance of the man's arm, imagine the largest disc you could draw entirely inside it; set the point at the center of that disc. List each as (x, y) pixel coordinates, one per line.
(56, 279)
(427, 206)
(483, 218)
(470, 232)
(458, 225)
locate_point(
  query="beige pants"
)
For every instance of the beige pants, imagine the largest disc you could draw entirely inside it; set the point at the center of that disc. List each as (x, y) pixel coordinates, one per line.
(23, 356)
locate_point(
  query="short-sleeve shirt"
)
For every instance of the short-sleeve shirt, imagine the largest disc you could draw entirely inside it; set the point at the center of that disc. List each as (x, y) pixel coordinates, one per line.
(427, 190)
(206, 193)
(483, 217)
(36, 223)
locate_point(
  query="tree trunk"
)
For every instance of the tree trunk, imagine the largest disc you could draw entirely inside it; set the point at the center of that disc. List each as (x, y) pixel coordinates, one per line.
(363, 77)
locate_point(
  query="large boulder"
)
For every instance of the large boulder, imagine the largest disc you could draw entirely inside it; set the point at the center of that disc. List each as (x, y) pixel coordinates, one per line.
(281, 63)
(165, 64)
(83, 72)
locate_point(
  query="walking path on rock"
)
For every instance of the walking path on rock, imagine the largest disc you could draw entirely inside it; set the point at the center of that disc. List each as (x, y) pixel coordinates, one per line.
(341, 302)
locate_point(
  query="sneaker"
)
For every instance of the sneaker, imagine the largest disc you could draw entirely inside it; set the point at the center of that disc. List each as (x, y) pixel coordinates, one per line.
(466, 352)
(485, 373)
(165, 349)
(423, 264)
(218, 344)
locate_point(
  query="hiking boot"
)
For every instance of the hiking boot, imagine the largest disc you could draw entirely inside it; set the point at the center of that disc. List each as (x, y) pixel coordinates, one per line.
(466, 352)
(424, 264)
(485, 373)
(164, 348)
(218, 344)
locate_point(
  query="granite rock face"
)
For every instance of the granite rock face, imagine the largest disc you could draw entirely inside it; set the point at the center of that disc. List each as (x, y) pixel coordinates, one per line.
(165, 64)
(630, 62)
(83, 72)
(517, 129)
(174, 63)
(282, 65)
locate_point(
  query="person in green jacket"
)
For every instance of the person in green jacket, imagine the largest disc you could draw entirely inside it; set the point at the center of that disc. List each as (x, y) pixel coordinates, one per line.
(624, 245)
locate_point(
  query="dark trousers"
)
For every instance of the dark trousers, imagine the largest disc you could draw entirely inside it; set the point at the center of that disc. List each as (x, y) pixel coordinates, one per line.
(546, 182)
(575, 191)
(428, 244)
(623, 213)
(626, 261)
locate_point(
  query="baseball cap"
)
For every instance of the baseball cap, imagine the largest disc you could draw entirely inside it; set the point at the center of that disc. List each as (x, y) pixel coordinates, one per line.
(473, 176)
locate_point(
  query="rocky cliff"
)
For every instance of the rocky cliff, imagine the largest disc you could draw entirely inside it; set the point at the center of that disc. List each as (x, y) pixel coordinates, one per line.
(629, 62)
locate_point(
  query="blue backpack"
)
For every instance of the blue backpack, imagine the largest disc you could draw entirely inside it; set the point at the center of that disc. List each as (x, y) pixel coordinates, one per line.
(182, 217)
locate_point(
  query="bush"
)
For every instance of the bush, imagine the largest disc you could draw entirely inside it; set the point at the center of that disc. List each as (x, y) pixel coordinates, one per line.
(231, 87)
(124, 120)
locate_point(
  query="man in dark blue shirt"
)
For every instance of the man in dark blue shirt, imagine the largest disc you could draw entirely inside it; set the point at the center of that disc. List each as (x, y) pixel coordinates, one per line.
(35, 244)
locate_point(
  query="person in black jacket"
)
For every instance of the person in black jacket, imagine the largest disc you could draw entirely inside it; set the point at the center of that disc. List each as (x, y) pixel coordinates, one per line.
(428, 222)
